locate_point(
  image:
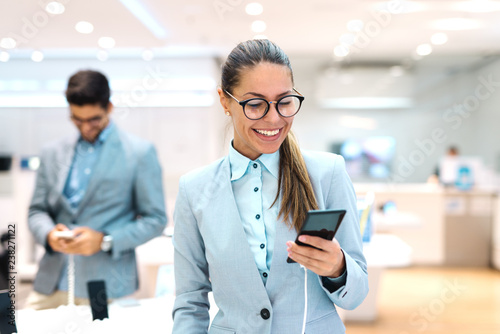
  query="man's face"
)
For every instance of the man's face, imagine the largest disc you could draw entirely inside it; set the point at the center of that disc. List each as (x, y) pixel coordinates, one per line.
(90, 119)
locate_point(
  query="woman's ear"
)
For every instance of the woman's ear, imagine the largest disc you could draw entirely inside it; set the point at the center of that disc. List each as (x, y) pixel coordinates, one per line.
(224, 101)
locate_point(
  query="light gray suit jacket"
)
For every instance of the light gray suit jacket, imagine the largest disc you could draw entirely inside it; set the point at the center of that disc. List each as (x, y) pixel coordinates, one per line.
(212, 253)
(124, 198)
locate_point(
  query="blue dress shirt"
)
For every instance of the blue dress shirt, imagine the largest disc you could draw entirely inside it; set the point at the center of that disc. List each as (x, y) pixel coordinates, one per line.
(255, 184)
(84, 160)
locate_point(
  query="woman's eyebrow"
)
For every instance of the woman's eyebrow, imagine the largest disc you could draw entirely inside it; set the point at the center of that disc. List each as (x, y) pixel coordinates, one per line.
(262, 96)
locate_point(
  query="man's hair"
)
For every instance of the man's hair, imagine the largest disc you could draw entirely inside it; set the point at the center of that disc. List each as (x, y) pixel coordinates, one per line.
(88, 87)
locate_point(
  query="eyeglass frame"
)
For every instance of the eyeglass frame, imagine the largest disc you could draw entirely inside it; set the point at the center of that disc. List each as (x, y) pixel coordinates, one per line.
(94, 121)
(244, 102)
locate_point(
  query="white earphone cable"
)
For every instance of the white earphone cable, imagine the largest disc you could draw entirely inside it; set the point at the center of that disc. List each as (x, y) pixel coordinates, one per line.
(305, 300)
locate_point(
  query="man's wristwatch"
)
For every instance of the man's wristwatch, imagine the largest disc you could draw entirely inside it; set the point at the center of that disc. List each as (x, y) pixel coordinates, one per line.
(107, 243)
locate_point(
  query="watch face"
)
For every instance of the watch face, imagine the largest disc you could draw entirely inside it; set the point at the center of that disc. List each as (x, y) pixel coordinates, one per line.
(107, 242)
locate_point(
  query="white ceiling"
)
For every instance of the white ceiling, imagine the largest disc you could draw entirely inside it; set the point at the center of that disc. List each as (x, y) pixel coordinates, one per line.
(215, 26)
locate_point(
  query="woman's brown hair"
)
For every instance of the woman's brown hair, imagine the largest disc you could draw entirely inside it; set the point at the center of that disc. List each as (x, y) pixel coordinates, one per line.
(294, 185)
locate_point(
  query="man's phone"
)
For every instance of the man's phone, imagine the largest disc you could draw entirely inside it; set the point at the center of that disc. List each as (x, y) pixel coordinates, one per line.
(98, 299)
(320, 223)
(67, 235)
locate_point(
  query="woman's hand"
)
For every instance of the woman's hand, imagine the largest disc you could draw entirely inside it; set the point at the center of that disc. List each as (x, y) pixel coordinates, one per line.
(327, 261)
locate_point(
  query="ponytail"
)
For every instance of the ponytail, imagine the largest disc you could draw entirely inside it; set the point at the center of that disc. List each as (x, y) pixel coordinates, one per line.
(294, 185)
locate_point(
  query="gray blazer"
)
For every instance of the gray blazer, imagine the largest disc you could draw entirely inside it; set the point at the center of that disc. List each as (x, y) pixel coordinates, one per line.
(124, 198)
(212, 253)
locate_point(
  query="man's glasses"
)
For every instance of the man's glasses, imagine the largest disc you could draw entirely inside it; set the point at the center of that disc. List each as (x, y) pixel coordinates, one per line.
(94, 121)
(256, 108)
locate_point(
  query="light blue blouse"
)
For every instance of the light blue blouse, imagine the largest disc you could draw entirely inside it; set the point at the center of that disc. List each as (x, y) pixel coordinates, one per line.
(255, 184)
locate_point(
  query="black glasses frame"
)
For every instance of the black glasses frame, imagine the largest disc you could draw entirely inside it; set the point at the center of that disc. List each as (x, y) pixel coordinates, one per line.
(244, 102)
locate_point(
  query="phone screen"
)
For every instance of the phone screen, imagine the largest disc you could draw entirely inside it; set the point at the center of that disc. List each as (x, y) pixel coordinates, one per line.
(98, 299)
(320, 223)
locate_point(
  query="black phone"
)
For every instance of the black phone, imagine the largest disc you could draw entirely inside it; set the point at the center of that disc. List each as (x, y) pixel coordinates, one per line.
(320, 223)
(98, 299)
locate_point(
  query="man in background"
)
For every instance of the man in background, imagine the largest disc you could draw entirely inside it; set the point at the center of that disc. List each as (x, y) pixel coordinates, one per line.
(105, 186)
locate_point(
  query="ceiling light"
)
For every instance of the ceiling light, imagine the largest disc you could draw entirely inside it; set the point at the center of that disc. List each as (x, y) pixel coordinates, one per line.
(84, 27)
(259, 26)
(102, 55)
(347, 39)
(355, 25)
(106, 42)
(439, 38)
(260, 37)
(147, 55)
(424, 49)
(477, 6)
(8, 43)
(254, 8)
(456, 23)
(142, 14)
(341, 51)
(4, 56)
(55, 8)
(37, 56)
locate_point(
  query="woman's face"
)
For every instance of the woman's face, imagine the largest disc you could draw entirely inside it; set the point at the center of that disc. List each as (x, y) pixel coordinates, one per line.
(255, 137)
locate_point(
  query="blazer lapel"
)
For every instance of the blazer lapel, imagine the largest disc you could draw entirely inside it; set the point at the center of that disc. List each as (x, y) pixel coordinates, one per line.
(249, 273)
(106, 158)
(64, 162)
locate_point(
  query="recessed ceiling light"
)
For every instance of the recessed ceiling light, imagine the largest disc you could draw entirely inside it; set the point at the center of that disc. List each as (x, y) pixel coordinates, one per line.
(55, 8)
(254, 8)
(439, 38)
(102, 55)
(106, 42)
(259, 26)
(355, 25)
(341, 51)
(37, 56)
(456, 23)
(477, 6)
(4, 56)
(84, 27)
(8, 43)
(424, 49)
(147, 55)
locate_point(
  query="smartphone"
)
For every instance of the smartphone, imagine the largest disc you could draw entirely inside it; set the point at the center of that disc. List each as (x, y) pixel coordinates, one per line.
(67, 235)
(320, 223)
(98, 299)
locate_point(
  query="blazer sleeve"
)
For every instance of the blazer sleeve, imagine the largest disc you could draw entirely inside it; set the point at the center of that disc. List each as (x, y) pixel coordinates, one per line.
(192, 284)
(149, 206)
(341, 195)
(40, 221)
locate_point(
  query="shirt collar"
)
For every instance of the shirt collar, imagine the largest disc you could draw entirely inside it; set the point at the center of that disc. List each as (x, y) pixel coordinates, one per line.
(239, 163)
(102, 136)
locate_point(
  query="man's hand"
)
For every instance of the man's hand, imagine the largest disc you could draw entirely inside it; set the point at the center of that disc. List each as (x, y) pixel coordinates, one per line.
(56, 243)
(86, 242)
(327, 261)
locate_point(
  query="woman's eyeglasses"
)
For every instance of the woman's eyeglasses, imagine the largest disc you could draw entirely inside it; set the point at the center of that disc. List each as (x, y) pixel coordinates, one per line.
(257, 108)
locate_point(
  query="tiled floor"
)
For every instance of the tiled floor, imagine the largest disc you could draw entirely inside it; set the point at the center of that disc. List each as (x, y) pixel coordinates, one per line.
(436, 300)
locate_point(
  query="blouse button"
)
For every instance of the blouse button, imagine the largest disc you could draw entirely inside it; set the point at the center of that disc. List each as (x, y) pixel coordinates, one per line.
(257, 217)
(254, 165)
(256, 189)
(262, 246)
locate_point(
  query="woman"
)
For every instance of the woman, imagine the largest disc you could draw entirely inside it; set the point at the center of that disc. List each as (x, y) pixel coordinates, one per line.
(234, 229)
